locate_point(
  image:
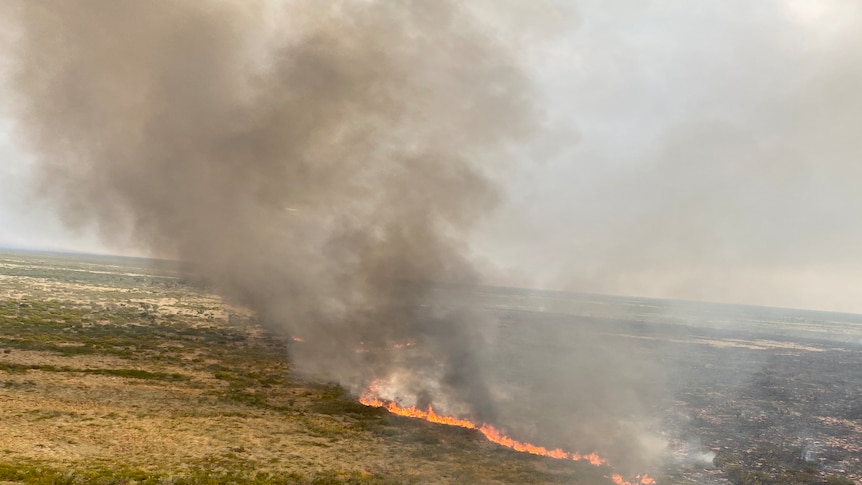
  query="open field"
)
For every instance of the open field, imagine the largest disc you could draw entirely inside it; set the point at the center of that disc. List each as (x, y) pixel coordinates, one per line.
(116, 370)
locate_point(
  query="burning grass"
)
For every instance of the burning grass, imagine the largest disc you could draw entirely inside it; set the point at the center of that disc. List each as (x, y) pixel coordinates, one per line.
(111, 373)
(493, 435)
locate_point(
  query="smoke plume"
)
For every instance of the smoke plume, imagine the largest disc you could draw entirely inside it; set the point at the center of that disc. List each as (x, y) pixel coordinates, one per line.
(319, 162)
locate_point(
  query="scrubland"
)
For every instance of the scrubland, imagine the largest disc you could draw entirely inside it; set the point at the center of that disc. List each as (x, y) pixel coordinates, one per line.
(116, 370)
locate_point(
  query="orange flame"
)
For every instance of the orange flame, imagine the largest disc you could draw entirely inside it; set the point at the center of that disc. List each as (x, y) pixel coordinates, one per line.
(493, 435)
(639, 480)
(414, 412)
(297, 339)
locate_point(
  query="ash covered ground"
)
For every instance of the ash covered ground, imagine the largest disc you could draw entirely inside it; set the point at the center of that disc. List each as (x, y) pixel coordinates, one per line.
(743, 394)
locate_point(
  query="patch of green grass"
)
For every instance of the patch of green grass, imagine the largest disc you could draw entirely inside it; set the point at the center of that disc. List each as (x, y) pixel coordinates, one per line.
(137, 374)
(128, 373)
(344, 406)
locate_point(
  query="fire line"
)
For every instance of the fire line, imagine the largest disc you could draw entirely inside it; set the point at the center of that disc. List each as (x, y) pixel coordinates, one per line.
(493, 435)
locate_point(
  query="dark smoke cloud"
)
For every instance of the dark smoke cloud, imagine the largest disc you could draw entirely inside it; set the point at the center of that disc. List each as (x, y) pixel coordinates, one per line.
(323, 172)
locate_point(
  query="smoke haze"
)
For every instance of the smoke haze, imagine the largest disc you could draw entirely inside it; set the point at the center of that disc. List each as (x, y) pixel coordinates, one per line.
(718, 157)
(327, 165)
(307, 171)
(322, 163)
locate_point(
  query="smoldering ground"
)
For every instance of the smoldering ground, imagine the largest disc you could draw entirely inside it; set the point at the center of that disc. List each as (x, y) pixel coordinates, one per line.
(319, 162)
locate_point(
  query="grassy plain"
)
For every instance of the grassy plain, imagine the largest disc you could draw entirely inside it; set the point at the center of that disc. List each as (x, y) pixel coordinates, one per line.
(115, 370)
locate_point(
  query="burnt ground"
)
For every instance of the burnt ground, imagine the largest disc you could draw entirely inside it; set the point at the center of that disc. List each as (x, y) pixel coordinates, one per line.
(795, 416)
(752, 395)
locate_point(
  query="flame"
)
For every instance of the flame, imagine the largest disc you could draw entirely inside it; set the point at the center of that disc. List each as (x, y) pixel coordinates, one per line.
(639, 480)
(297, 339)
(414, 412)
(493, 435)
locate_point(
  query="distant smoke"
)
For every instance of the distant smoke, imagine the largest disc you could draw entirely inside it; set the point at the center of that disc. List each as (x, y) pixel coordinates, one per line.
(320, 162)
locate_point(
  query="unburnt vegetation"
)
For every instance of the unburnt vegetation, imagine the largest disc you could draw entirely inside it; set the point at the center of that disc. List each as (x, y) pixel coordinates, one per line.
(115, 370)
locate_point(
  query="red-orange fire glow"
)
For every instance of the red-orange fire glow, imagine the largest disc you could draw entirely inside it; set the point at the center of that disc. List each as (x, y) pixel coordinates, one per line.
(413, 412)
(493, 435)
(593, 458)
(639, 480)
(297, 339)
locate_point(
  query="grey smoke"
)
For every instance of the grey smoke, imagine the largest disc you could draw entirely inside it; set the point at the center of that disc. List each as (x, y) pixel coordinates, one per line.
(322, 163)
(323, 172)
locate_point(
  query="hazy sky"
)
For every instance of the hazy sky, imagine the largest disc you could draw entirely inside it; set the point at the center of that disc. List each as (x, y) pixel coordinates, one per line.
(698, 150)
(25, 220)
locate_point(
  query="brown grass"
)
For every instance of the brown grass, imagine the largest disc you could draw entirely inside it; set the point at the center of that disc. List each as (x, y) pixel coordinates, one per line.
(155, 377)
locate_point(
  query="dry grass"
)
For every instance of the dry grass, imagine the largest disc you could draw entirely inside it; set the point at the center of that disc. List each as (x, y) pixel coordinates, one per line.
(115, 371)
